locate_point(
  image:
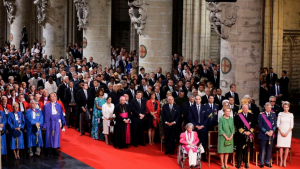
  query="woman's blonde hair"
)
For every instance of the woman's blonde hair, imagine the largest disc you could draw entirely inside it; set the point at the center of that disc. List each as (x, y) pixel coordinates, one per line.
(285, 103)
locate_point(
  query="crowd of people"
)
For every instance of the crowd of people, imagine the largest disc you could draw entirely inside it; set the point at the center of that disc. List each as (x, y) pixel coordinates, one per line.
(118, 104)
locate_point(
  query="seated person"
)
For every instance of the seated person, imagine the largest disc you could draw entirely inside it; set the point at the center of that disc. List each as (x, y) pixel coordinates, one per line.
(189, 140)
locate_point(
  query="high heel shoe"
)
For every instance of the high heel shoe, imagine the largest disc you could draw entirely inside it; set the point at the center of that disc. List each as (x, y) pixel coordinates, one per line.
(284, 164)
(280, 165)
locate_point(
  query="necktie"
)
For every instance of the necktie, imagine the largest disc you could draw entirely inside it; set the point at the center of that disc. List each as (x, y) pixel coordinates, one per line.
(211, 106)
(85, 92)
(139, 103)
(171, 108)
(278, 92)
(96, 88)
(157, 95)
(271, 77)
(198, 109)
(72, 96)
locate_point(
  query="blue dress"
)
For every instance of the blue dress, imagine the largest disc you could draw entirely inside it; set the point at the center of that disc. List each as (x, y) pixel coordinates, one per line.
(3, 136)
(12, 124)
(96, 115)
(52, 124)
(31, 122)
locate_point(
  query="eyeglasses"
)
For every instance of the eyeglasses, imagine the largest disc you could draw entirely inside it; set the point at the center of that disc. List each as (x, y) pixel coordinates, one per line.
(272, 101)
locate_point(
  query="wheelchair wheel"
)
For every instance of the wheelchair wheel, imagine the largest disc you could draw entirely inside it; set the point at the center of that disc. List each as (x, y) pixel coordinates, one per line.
(182, 165)
(179, 156)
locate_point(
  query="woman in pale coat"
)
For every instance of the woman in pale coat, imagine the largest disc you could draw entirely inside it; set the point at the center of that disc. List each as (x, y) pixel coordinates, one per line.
(108, 116)
(285, 123)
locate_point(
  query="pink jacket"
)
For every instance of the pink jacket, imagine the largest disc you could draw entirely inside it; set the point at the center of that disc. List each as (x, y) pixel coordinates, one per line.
(186, 145)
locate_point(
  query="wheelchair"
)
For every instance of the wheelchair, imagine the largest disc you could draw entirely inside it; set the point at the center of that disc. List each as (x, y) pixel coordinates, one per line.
(183, 155)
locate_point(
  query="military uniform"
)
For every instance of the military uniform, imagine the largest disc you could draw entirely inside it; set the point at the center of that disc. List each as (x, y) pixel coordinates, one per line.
(276, 109)
(212, 114)
(234, 108)
(266, 142)
(242, 141)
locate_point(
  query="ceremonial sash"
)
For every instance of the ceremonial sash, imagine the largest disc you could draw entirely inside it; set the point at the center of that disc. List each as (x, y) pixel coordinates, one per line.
(125, 115)
(268, 123)
(245, 122)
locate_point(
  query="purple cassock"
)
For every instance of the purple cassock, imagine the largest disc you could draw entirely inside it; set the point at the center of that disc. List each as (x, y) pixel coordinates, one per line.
(54, 121)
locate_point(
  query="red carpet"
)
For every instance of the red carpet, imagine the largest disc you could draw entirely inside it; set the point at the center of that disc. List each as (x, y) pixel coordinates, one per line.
(99, 155)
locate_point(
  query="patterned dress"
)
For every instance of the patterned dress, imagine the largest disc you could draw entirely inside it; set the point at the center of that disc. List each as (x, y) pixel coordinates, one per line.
(97, 115)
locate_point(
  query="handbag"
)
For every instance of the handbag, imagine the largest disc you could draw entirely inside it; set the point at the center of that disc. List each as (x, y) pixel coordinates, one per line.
(201, 149)
(228, 143)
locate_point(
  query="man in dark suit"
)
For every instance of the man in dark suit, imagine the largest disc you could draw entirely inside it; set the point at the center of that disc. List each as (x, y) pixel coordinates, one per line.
(27, 76)
(254, 109)
(198, 116)
(138, 109)
(42, 81)
(144, 85)
(170, 116)
(275, 108)
(267, 125)
(263, 94)
(131, 92)
(94, 89)
(141, 75)
(159, 95)
(277, 91)
(216, 79)
(91, 63)
(219, 98)
(186, 108)
(159, 74)
(284, 82)
(245, 127)
(205, 98)
(233, 94)
(271, 78)
(205, 73)
(146, 94)
(115, 95)
(212, 110)
(70, 102)
(169, 87)
(234, 107)
(152, 80)
(85, 106)
(61, 89)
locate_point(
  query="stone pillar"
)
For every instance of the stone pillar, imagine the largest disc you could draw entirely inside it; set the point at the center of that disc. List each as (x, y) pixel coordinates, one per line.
(97, 32)
(187, 30)
(2, 23)
(243, 50)
(54, 29)
(157, 36)
(134, 39)
(205, 33)
(22, 18)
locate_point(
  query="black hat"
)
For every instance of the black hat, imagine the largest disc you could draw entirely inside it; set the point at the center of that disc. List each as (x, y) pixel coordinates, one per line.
(17, 133)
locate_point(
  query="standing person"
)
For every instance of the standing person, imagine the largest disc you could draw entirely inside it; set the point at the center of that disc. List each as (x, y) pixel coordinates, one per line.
(152, 116)
(221, 111)
(108, 116)
(225, 139)
(233, 94)
(16, 125)
(285, 123)
(85, 106)
(284, 82)
(189, 140)
(267, 125)
(97, 113)
(138, 109)
(54, 120)
(170, 116)
(212, 110)
(245, 128)
(3, 122)
(34, 121)
(122, 127)
(70, 105)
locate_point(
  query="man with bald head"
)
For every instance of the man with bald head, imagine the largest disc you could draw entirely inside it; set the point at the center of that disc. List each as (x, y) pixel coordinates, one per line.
(170, 115)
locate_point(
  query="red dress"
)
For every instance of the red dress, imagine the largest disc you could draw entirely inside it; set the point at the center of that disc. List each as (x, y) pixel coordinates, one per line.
(151, 108)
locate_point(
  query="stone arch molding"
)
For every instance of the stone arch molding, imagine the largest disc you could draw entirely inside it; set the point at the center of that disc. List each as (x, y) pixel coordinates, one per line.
(83, 11)
(222, 17)
(10, 8)
(138, 15)
(41, 7)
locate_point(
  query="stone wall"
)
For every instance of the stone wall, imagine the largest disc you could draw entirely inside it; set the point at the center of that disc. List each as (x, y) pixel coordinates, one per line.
(215, 42)
(120, 24)
(291, 15)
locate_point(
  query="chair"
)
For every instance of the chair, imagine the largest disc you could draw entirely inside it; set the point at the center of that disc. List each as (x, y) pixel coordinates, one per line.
(212, 144)
(255, 146)
(216, 128)
(277, 155)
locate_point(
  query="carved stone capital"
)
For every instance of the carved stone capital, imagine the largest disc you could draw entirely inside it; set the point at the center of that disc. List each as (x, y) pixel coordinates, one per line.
(41, 7)
(137, 14)
(10, 8)
(82, 9)
(222, 16)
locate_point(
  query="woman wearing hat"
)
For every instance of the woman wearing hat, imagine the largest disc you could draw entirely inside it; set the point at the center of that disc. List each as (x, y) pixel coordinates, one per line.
(221, 112)
(16, 124)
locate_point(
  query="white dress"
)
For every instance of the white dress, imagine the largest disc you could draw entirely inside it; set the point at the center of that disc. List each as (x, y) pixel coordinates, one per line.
(107, 112)
(285, 121)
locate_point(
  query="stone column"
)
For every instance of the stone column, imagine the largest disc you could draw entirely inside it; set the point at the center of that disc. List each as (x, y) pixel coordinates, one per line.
(243, 50)
(22, 18)
(205, 33)
(157, 36)
(2, 23)
(97, 32)
(54, 29)
(134, 39)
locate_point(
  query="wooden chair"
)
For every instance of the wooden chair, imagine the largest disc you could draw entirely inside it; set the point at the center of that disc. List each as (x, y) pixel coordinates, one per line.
(212, 144)
(216, 128)
(290, 155)
(255, 146)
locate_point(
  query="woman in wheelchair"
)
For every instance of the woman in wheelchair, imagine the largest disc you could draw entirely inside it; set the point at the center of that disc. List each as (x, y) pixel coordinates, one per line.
(189, 140)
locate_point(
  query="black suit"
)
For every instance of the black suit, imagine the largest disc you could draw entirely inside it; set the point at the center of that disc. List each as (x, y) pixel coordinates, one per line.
(263, 96)
(61, 92)
(170, 115)
(241, 141)
(152, 82)
(70, 109)
(25, 78)
(236, 97)
(41, 83)
(129, 93)
(86, 103)
(204, 99)
(115, 96)
(161, 96)
(161, 75)
(216, 81)
(219, 102)
(255, 111)
(185, 111)
(137, 123)
(284, 82)
(271, 81)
